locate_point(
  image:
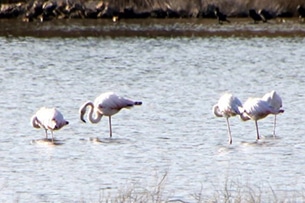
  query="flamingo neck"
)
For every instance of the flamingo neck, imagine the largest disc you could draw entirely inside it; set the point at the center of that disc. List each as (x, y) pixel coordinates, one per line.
(35, 122)
(216, 111)
(244, 116)
(92, 118)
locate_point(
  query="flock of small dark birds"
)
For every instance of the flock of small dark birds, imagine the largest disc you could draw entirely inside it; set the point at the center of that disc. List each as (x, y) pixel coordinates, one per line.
(257, 16)
(48, 10)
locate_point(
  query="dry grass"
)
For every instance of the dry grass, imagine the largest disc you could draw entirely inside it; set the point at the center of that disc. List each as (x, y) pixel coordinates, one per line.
(139, 194)
(231, 191)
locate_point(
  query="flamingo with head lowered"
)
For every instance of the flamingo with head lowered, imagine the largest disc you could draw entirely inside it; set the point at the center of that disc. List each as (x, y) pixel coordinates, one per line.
(275, 101)
(48, 119)
(227, 106)
(107, 104)
(256, 109)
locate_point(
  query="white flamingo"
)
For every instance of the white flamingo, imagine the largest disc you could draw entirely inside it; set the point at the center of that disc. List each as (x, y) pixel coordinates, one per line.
(227, 106)
(48, 119)
(275, 101)
(256, 109)
(107, 104)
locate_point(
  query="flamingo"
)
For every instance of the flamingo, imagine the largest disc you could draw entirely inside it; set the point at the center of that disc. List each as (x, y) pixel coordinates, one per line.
(275, 101)
(227, 106)
(107, 104)
(48, 119)
(256, 109)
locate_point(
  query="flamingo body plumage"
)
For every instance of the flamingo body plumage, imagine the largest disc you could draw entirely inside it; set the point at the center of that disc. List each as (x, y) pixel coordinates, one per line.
(48, 119)
(275, 101)
(227, 106)
(107, 104)
(256, 109)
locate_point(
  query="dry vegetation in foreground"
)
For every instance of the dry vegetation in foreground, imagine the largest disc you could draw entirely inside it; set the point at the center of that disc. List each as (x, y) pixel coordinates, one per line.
(230, 192)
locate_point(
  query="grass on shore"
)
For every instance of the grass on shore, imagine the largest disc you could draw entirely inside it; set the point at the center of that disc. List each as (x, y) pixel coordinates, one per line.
(230, 192)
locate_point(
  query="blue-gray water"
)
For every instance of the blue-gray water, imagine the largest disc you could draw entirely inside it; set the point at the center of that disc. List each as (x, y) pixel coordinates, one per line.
(174, 132)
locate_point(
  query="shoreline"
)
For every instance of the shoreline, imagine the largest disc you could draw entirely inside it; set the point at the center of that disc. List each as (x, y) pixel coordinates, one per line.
(73, 28)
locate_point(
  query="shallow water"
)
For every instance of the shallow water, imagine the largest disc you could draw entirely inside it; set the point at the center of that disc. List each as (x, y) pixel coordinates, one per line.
(173, 132)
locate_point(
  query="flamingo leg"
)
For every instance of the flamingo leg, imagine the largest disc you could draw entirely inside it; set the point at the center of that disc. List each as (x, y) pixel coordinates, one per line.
(257, 133)
(52, 136)
(229, 130)
(46, 131)
(274, 124)
(110, 127)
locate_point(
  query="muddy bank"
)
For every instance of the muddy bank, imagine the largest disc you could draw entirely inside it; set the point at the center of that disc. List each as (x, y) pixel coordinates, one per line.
(40, 10)
(169, 27)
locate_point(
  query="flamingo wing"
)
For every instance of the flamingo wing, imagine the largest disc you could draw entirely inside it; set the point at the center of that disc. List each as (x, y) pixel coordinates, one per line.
(50, 118)
(273, 99)
(228, 105)
(257, 108)
(109, 103)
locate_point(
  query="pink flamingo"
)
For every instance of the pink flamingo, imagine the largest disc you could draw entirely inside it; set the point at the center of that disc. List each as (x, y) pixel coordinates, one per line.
(275, 101)
(227, 106)
(107, 104)
(256, 109)
(48, 119)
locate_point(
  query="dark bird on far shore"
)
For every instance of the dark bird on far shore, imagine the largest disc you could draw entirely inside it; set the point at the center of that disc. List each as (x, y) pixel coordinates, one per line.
(301, 12)
(220, 16)
(265, 14)
(256, 17)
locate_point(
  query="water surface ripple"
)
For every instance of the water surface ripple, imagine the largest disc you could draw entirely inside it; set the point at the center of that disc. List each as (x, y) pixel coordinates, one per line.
(173, 132)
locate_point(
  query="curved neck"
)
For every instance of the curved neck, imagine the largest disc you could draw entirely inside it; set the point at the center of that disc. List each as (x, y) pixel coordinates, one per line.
(93, 119)
(244, 116)
(34, 122)
(216, 111)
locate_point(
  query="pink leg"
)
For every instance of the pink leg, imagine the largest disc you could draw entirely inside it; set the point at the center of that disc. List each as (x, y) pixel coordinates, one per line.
(110, 127)
(274, 124)
(229, 131)
(257, 134)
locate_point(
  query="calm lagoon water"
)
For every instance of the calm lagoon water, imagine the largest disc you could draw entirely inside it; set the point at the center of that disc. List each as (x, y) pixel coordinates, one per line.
(174, 132)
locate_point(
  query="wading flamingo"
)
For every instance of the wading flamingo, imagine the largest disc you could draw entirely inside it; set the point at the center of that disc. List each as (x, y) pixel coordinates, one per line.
(227, 106)
(256, 109)
(107, 104)
(275, 102)
(48, 119)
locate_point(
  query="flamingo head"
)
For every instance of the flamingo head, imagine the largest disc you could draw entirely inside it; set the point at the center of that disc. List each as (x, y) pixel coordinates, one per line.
(244, 116)
(82, 113)
(56, 125)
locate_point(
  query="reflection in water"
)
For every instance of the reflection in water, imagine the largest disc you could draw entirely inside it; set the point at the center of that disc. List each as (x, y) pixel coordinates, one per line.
(47, 142)
(173, 133)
